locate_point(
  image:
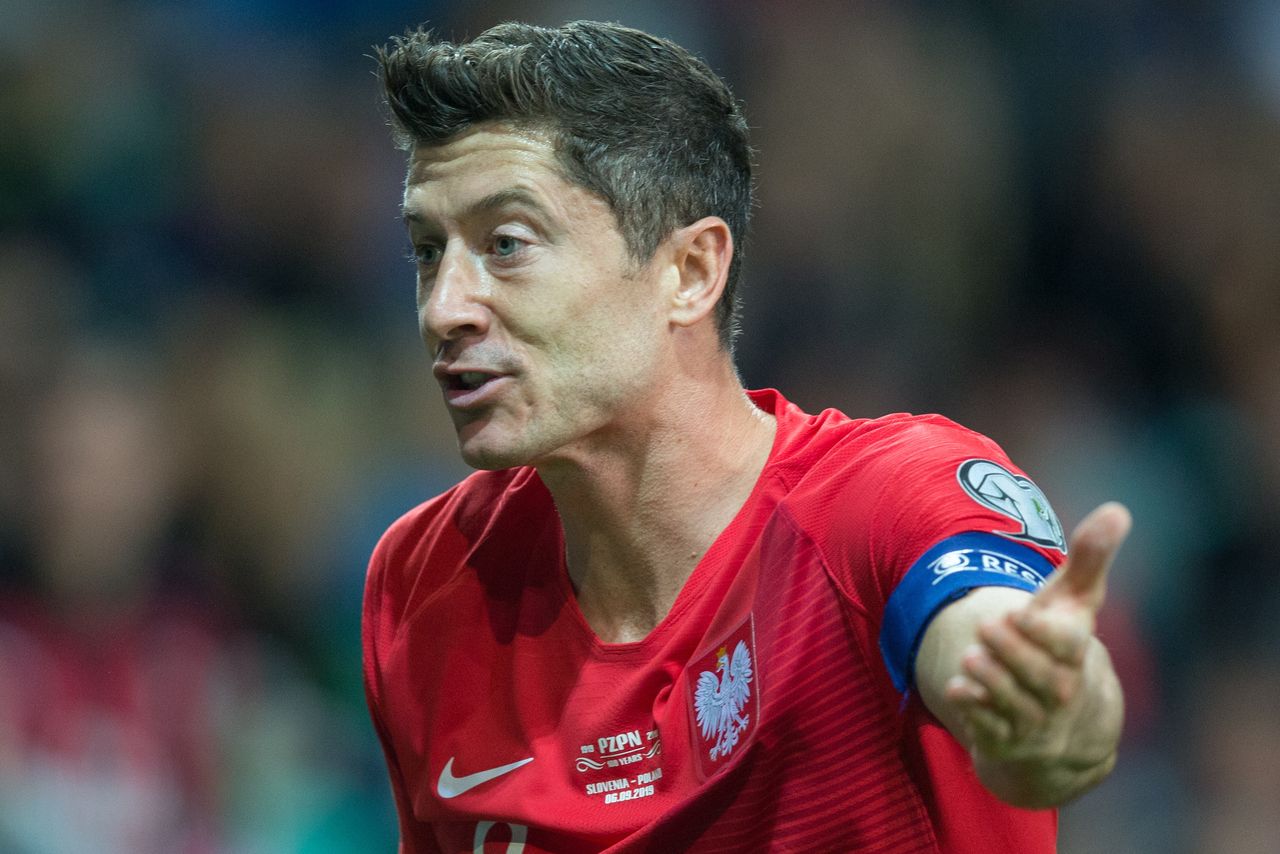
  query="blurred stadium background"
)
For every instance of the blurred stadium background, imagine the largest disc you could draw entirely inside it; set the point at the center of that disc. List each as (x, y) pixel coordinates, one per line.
(1058, 223)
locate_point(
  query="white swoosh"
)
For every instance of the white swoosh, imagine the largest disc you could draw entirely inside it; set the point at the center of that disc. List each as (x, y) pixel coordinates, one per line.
(450, 786)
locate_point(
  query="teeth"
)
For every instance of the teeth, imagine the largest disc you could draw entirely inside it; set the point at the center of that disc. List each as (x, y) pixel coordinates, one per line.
(472, 379)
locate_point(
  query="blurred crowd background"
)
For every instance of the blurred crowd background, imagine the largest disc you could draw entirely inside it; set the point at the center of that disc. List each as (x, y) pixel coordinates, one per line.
(1057, 223)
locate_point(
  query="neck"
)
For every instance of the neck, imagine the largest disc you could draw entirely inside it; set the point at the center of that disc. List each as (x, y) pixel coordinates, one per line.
(642, 506)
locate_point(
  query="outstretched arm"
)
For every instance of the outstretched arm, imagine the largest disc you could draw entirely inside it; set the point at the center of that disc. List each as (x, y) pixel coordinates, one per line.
(1022, 681)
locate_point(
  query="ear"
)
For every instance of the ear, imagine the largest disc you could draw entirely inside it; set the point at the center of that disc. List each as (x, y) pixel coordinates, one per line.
(700, 258)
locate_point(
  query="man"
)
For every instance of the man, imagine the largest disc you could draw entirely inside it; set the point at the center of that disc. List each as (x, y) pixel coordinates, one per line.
(670, 614)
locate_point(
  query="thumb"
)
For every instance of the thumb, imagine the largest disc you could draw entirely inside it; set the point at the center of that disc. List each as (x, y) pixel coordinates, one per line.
(1082, 579)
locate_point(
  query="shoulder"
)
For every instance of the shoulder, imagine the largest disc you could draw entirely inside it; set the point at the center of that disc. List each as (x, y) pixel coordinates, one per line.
(851, 474)
(865, 462)
(903, 438)
(891, 488)
(830, 441)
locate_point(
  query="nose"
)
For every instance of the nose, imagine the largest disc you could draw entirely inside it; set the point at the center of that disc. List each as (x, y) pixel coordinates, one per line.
(453, 304)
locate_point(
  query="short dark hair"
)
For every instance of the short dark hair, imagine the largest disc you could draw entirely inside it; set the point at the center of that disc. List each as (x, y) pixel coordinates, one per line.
(635, 119)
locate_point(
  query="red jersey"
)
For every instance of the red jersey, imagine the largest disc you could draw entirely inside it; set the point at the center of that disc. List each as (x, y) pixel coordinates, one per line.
(770, 710)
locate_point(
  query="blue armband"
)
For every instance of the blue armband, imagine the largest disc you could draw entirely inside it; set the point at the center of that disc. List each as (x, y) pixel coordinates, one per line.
(944, 573)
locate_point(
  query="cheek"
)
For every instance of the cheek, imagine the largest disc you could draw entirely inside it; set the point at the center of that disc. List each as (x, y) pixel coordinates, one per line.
(593, 346)
(592, 367)
(618, 359)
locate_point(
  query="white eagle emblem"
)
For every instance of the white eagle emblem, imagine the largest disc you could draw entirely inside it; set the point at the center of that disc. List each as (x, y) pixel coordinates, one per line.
(719, 703)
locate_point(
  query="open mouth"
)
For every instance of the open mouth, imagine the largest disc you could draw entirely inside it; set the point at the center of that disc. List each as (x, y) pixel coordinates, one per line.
(468, 386)
(467, 380)
(467, 389)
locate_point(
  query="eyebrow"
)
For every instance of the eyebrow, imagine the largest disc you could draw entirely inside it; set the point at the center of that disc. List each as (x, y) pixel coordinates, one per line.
(491, 202)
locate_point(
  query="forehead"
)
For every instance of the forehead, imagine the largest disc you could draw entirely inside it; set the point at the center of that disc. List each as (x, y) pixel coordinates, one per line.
(486, 160)
(495, 145)
(496, 171)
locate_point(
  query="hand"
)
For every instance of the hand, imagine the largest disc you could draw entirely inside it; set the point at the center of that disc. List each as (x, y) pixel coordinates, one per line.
(1037, 673)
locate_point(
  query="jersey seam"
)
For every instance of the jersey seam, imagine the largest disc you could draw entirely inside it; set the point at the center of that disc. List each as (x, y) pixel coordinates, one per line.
(845, 595)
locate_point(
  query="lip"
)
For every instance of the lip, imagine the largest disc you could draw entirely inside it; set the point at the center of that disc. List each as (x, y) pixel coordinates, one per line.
(463, 398)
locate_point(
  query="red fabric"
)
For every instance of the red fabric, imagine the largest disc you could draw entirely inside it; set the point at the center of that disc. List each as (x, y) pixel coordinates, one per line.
(475, 652)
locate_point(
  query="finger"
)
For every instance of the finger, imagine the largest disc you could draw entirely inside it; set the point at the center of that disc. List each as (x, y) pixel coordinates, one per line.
(1065, 637)
(1051, 681)
(991, 732)
(1082, 579)
(966, 692)
(1012, 702)
(971, 698)
(983, 727)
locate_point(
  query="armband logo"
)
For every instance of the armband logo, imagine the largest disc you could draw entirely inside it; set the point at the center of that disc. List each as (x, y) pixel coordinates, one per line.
(983, 560)
(994, 486)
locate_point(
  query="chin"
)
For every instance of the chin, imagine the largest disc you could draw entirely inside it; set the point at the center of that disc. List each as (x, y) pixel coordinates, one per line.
(480, 456)
(490, 457)
(490, 462)
(482, 445)
(490, 447)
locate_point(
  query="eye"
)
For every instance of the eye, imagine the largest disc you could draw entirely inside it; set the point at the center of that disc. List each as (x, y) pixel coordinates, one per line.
(504, 245)
(427, 255)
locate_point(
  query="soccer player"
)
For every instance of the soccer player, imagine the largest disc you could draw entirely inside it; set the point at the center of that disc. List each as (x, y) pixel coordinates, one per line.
(670, 614)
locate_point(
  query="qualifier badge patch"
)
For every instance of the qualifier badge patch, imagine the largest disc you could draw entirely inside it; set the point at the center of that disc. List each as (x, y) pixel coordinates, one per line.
(994, 486)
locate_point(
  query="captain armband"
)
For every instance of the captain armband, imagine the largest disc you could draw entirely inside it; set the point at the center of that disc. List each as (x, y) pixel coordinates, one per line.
(943, 574)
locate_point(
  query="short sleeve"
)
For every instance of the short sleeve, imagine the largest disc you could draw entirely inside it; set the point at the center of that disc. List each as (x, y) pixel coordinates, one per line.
(926, 511)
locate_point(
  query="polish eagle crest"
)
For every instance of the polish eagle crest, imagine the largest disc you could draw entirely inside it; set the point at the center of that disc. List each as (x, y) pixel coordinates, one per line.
(719, 703)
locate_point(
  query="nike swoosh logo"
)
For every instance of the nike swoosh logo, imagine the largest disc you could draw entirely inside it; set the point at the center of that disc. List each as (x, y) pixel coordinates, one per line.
(450, 786)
